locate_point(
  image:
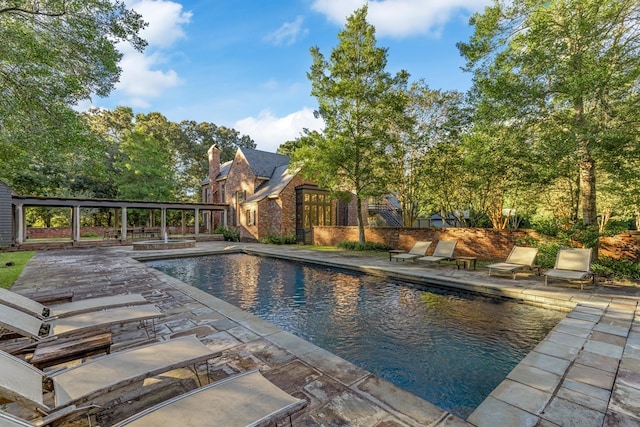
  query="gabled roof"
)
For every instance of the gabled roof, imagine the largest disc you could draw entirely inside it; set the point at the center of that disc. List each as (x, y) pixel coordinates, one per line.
(262, 163)
(224, 171)
(272, 188)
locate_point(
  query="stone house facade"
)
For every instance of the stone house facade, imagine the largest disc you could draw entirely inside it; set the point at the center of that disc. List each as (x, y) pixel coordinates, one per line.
(266, 198)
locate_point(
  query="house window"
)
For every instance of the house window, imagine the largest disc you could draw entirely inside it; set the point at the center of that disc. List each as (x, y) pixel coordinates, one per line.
(251, 217)
(240, 196)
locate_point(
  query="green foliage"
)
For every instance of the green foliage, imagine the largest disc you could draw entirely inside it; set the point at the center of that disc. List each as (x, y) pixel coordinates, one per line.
(229, 234)
(89, 234)
(55, 53)
(615, 227)
(11, 265)
(546, 225)
(361, 104)
(274, 239)
(367, 246)
(562, 74)
(547, 253)
(619, 268)
(580, 235)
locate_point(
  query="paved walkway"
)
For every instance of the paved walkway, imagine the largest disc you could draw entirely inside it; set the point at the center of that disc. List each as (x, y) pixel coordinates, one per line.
(585, 373)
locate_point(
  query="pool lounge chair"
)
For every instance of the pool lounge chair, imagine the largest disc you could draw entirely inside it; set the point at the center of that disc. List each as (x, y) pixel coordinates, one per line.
(419, 249)
(246, 399)
(22, 303)
(519, 259)
(443, 251)
(40, 330)
(23, 383)
(571, 264)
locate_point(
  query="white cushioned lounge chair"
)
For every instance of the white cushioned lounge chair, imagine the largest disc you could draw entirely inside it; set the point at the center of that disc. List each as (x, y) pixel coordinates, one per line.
(39, 330)
(419, 249)
(22, 303)
(247, 399)
(571, 264)
(519, 259)
(23, 383)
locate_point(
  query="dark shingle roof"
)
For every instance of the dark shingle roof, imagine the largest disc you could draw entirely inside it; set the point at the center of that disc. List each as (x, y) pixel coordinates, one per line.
(263, 163)
(279, 180)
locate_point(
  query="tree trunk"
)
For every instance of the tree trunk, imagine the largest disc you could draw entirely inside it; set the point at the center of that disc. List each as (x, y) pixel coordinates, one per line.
(588, 191)
(361, 237)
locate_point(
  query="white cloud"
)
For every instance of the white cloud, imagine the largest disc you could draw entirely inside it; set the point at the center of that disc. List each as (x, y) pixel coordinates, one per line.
(143, 77)
(269, 131)
(401, 18)
(165, 19)
(288, 33)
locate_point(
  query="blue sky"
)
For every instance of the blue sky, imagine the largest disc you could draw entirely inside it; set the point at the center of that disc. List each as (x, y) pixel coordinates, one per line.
(243, 64)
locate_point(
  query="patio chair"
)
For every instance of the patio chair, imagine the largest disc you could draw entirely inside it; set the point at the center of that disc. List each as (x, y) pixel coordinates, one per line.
(571, 264)
(419, 249)
(41, 330)
(23, 383)
(247, 399)
(22, 303)
(443, 251)
(520, 258)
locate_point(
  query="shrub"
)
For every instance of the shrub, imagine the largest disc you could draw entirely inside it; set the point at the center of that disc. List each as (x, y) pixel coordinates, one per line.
(229, 234)
(545, 225)
(367, 246)
(89, 234)
(620, 268)
(275, 239)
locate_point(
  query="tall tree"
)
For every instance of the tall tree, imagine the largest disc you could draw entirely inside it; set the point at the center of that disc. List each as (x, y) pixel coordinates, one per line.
(360, 104)
(144, 169)
(571, 67)
(55, 53)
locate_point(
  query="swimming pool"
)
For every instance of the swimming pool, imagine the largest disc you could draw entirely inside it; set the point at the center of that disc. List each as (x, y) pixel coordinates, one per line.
(449, 348)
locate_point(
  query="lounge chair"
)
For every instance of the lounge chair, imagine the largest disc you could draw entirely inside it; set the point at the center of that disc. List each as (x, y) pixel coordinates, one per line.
(23, 383)
(571, 264)
(247, 399)
(419, 249)
(39, 330)
(34, 308)
(520, 258)
(443, 251)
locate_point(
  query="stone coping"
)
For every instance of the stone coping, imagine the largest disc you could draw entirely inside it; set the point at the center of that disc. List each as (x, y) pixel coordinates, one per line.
(585, 372)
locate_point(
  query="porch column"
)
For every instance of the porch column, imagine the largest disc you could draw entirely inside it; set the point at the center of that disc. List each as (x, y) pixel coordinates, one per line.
(197, 222)
(163, 221)
(123, 224)
(20, 225)
(75, 223)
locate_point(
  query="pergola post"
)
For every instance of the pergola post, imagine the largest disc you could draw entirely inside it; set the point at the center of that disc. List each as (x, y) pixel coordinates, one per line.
(163, 220)
(196, 222)
(20, 224)
(123, 224)
(75, 223)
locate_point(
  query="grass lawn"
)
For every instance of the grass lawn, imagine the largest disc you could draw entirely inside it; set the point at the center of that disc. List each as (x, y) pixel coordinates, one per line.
(9, 274)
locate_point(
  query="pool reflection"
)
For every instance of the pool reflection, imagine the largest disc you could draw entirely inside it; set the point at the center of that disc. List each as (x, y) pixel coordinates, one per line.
(449, 348)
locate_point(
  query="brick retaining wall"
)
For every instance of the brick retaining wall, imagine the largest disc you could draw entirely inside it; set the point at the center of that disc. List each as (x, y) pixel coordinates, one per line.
(481, 242)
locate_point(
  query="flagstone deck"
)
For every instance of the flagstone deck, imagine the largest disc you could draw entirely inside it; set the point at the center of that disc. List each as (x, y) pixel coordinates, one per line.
(586, 372)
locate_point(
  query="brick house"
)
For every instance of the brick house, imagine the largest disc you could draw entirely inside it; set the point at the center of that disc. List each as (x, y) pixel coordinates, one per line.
(266, 198)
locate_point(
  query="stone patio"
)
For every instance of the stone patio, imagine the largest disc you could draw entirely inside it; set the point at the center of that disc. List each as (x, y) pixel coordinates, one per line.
(586, 372)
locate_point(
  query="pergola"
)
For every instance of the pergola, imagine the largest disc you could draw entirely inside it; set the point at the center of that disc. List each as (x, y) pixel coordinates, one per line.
(19, 203)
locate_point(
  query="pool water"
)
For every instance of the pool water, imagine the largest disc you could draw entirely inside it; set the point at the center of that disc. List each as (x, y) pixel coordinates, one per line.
(449, 348)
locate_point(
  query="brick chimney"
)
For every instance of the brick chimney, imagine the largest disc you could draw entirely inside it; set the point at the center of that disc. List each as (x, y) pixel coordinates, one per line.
(214, 170)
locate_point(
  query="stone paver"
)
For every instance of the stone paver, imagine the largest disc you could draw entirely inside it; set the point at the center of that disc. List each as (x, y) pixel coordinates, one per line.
(586, 372)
